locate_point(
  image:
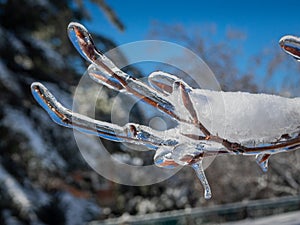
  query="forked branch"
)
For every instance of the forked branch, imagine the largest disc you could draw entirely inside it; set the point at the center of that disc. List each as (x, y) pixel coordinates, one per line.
(175, 98)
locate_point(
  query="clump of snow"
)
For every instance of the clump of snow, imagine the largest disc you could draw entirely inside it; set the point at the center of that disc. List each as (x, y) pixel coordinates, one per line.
(246, 117)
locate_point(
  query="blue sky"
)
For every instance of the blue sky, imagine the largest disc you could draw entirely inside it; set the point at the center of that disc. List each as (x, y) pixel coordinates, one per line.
(263, 22)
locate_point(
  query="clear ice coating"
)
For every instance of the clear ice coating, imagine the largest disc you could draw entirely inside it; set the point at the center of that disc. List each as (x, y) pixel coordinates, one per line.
(262, 161)
(198, 113)
(291, 45)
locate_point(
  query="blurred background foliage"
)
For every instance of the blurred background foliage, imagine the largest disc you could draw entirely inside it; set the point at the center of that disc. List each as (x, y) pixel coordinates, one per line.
(43, 178)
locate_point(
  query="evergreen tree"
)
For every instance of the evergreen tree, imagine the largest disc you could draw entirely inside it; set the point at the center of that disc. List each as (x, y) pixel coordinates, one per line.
(37, 157)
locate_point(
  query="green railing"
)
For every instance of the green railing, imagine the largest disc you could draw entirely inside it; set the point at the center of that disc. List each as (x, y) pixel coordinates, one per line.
(214, 214)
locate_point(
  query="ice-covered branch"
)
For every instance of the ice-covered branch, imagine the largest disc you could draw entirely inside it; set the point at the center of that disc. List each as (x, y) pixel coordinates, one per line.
(131, 132)
(291, 45)
(255, 124)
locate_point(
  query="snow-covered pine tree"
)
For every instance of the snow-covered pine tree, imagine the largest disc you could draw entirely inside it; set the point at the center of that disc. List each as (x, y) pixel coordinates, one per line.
(38, 184)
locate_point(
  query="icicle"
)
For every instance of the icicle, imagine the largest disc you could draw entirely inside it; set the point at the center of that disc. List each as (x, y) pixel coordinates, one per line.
(262, 160)
(201, 175)
(185, 154)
